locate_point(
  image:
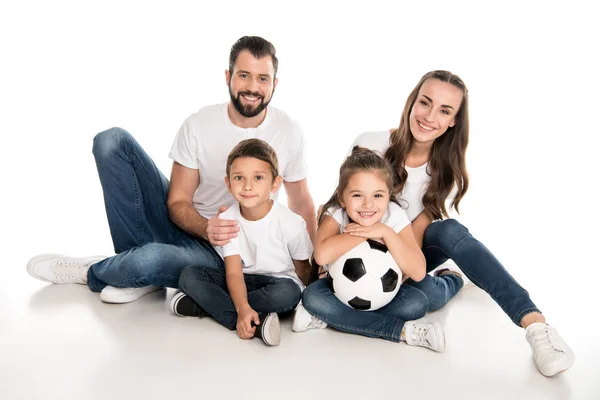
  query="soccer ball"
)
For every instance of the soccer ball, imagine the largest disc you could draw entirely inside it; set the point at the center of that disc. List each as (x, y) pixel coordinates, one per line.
(365, 278)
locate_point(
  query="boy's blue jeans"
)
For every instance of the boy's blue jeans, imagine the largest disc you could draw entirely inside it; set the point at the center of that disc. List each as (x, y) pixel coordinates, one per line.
(266, 294)
(151, 249)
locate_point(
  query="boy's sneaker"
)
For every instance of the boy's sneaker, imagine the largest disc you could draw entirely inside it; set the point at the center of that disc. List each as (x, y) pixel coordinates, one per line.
(303, 320)
(551, 353)
(56, 268)
(268, 329)
(425, 334)
(115, 295)
(184, 306)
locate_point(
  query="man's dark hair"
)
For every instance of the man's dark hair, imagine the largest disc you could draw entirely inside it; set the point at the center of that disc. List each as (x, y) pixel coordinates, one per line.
(257, 46)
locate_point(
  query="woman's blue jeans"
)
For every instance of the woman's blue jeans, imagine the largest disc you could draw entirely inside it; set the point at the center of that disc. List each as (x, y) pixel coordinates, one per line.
(443, 240)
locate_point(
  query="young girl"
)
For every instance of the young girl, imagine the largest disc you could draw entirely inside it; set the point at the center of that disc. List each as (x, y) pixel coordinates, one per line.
(361, 209)
(427, 154)
(262, 264)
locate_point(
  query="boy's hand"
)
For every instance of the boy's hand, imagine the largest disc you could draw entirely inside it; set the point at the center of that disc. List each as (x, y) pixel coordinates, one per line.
(376, 231)
(244, 326)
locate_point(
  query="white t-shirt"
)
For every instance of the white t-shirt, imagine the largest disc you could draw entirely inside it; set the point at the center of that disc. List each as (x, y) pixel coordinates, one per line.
(395, 217)
(207, 137)
(268, 246)
(417, 181)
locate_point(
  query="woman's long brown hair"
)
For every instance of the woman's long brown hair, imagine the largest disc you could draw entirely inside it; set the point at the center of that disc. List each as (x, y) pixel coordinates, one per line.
(447, 157)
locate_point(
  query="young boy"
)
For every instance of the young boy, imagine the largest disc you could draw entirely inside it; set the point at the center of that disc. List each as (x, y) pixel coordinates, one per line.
(262, 264)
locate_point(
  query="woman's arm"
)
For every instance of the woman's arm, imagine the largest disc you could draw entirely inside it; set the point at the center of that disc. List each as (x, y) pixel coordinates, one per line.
(419, 225)
(330, 244)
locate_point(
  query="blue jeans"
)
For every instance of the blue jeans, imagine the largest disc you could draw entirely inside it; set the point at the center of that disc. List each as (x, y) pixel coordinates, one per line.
(448, 239)
(151, 249)
(266, 294)
(387, 322)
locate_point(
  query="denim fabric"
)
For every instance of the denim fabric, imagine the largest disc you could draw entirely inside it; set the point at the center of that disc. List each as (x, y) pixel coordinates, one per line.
(151, 249)
(266, 294)
(448, 239)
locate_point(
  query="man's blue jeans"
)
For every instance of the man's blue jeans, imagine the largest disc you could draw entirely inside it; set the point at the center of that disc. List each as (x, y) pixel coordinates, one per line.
(151, 249)
(266, 294)
(448, 239)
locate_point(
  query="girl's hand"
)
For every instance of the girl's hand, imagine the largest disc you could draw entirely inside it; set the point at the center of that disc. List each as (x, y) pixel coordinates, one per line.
(244, 326)
(376, 231)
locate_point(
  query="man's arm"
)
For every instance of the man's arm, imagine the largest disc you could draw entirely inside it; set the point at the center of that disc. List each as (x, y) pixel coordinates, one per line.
(184, 182)
(300, 201)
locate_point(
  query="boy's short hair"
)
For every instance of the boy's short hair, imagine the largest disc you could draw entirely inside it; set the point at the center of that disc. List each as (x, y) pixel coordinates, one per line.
(254, 148)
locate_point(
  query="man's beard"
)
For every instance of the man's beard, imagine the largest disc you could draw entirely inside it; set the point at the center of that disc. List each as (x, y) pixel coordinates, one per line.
(248, 111)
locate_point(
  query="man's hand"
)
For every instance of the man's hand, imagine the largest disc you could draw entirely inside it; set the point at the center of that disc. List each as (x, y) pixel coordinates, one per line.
(244, 326)
(221, 231)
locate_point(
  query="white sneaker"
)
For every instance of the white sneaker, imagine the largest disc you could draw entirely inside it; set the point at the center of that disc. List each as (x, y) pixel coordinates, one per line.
(451, 268)
(115, 295)
(551, 353)
(303, 320)
(56, 268)
(425, 334)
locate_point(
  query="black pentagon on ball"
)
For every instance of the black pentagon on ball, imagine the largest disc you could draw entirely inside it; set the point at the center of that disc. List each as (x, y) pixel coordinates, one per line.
(354, 269)
(360, 304)
(389, 280)
(375, 245)
(330, 283)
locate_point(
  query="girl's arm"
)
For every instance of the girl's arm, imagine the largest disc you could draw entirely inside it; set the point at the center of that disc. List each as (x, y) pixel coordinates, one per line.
(419, 225)
(330, 244)
(238, 292)
(406, 252)
(402, 246)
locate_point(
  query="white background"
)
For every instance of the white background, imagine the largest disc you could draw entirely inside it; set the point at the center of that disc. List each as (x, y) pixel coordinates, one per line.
(71, 69)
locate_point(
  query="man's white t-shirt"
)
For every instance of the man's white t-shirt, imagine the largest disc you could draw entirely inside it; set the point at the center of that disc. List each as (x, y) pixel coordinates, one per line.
(411, 197)
(268, 246)
(206, 138)
(395, 217)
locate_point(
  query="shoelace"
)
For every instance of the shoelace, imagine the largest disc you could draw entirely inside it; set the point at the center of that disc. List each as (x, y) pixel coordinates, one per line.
(546, 340)
(316, 323)
(419, 336)
(68, 269)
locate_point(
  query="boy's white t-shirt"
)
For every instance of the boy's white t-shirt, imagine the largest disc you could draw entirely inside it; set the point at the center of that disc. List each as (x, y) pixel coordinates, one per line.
(395, 217)
(411, 197)
(268, 246)
(206, 138)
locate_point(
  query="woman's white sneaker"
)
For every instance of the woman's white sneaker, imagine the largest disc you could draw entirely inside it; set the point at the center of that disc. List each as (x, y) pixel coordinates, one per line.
(56, 268)
(303, 320)
(551, 353)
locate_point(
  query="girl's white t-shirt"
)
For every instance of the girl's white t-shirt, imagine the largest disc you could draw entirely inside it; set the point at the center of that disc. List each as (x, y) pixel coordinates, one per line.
(417, 181)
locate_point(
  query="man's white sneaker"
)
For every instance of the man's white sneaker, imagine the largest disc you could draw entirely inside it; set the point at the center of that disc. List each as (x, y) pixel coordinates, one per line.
(115, 295)
(56, 268)
(551, 353)
(425, 334)
(303, 320)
